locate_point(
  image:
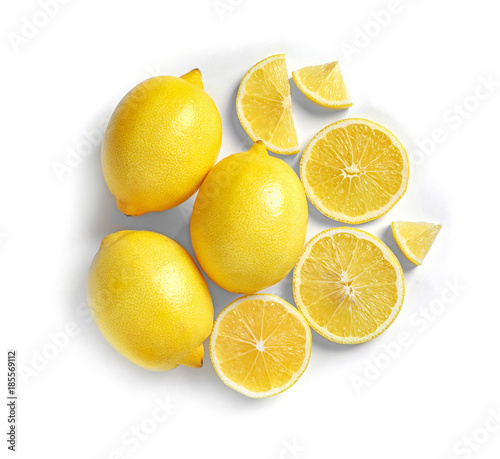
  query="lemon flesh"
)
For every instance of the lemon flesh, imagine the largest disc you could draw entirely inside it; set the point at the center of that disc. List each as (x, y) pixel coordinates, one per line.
(160, 143)
(354, 170)
(264, 106)
(348, 285)
(150, 300)
(260, 345)
(324, 85)
(415, 238)
(249, 221)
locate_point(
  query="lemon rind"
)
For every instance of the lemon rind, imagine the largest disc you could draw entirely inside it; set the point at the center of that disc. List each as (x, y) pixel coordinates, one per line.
(370, 215)
(314, 97)
(244, 122)
(388, 254)
(296, 376)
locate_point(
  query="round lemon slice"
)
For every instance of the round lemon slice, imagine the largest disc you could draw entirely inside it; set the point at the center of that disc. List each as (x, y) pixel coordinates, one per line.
(354, 170)
(349, 285)
(264, 106)
(415, 238)
(324, 85)
(260, 345)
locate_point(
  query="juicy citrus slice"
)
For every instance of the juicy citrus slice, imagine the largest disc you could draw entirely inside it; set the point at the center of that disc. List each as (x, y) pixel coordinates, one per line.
(349, 285)
(323, 84)
(260, 345)
(415, 238)
(264, 106)
(354, 170)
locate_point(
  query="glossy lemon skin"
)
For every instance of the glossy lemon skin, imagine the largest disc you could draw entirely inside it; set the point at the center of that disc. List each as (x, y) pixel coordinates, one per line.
(150, 300)
(160, 143)
(249, 221)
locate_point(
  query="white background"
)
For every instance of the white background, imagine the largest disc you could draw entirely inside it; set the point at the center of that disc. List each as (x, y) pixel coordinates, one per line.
(414, 73)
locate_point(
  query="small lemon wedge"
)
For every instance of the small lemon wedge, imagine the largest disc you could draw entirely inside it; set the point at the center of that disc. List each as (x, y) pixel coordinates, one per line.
(264, 106)
(324, 85)
(260, 345)
(415, 238)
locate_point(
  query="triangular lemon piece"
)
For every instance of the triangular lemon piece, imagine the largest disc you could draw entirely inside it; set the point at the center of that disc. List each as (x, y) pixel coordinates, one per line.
(324, 85)
(415, 238)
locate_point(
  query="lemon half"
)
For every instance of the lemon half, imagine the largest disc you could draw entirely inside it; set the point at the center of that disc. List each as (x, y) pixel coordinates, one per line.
(349, 285)
(354, 170)
(260, 345)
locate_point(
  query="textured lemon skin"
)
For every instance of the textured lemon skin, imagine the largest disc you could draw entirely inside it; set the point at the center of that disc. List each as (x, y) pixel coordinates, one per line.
(160, 143)
(150, 300)
(249, 221)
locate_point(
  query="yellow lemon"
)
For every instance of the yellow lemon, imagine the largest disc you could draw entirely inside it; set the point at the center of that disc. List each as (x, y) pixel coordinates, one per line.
(150, 300)
(160, 143)
(260, 345)
(249, 221)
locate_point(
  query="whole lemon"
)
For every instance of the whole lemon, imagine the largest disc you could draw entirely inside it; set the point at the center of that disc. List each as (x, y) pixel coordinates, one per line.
(150, 300)
(249, 221)
(160, 143)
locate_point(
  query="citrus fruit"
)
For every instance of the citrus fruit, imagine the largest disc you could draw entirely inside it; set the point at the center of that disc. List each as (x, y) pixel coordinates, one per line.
(249, 221)
(260, 345)
(348, 284)
(264, 106)
(160, 143)
(323, 84)
(354, 170)
(150, 300)
(415, 238)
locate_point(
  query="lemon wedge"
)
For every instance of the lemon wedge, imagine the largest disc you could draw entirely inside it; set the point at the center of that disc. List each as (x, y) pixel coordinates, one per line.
(354, 170)
(260, 345)
(324, 85)
(264, 106)
(415, 238)
(348, 285)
